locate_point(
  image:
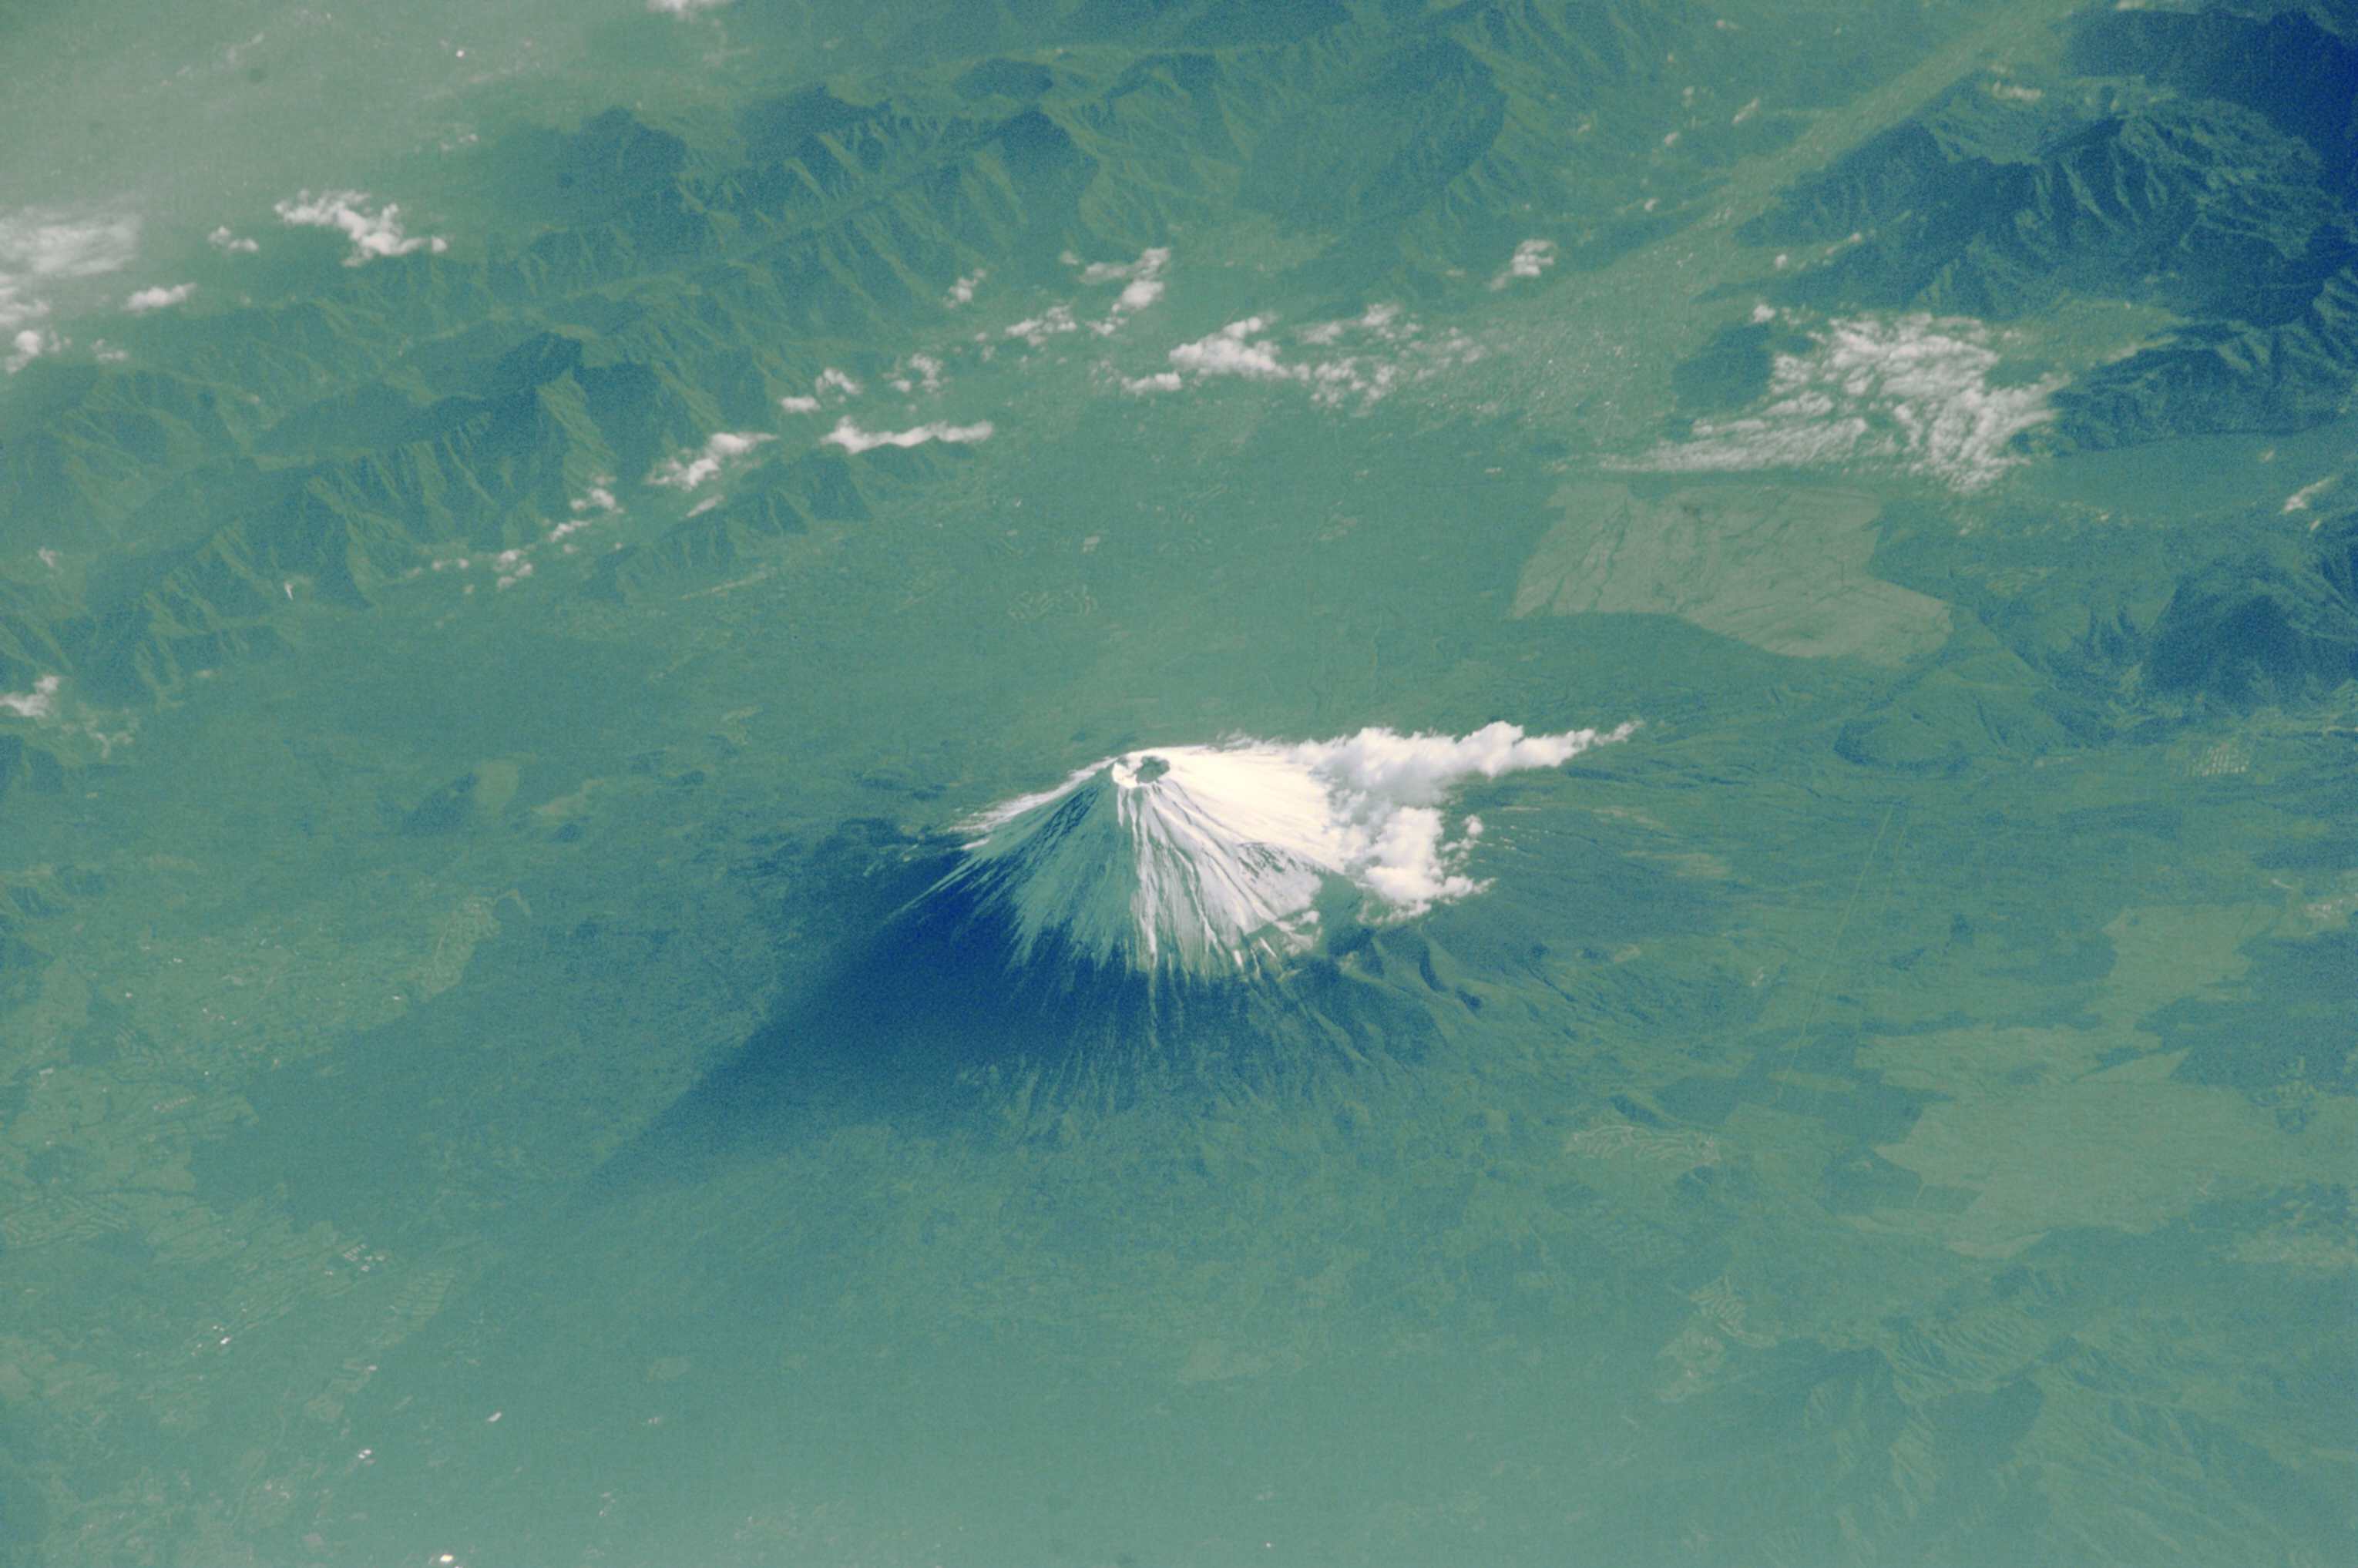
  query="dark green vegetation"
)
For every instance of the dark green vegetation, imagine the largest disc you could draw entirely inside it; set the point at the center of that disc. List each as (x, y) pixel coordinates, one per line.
(1897, 1108)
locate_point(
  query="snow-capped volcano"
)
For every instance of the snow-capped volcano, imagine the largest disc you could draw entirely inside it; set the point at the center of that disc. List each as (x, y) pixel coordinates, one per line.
(1203, 860)
(1074, 954)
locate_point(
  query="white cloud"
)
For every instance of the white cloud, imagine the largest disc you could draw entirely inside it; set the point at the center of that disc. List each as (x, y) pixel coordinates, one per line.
(829, 382)
(1036, 330)
(2302, 498)
(1231, 351)
(38, 703)
(927, 377)
(962, 291)
(1143, 278)
(1531, 258)
(852, 439)
(29, 345)
(39, 247)
(157, 298)
(1204, 859)
(220, 239)
(686, 473)
(1384, 321)
(1337, 380)
(1385, 791)
(1141, 283)
(598, 503)
(372, 233)
(1391, 352)
(683, 7)
(1914, 391)
(17, 304)
(1141, 293)
(52, 244)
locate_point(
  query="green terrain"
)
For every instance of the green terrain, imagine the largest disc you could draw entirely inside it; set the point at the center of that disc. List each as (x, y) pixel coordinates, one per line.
(517, 526)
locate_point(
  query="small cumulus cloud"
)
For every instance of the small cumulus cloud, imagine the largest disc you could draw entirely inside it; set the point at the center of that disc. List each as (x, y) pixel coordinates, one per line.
(1056, 320)
(1233, 351)
(719, 450)
(683, 7)
(223, 239)
(598, 503)
(28, 344)
(1140, 293)
(1142, 279)
(830, 383)
(41, 702)
(852, 439)
(1531, 258)
(158, 299)
(925, 375)
(1383, 321)
(962, 291)
(373, 232)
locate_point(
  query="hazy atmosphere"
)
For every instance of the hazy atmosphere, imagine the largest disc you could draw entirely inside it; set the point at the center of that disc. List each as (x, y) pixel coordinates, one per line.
(1172, 784)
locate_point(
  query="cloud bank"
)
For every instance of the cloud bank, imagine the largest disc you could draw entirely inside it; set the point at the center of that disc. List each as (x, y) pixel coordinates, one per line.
(1915, 391)
(1363, 357)
(1206, 859)
(40, 248)
(373, 233)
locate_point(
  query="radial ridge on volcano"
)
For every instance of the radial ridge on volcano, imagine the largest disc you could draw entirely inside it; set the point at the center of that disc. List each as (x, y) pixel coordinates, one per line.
(1204, 861)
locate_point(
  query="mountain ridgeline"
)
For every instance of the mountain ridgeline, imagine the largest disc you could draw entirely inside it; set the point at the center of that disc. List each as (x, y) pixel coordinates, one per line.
(619, 291)
(2200, 162)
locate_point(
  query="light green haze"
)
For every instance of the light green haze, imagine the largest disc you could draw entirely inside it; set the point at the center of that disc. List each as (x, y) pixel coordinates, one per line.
(529, 533)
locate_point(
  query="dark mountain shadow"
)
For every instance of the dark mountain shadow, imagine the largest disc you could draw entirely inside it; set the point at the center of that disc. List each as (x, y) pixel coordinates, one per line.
(933, 1023)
